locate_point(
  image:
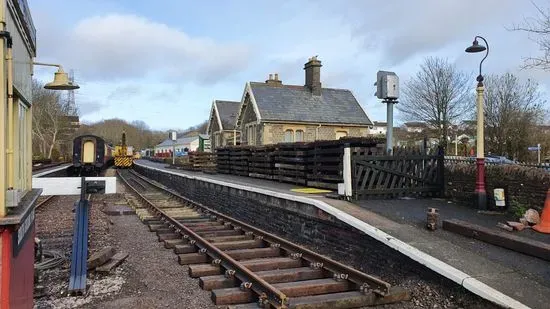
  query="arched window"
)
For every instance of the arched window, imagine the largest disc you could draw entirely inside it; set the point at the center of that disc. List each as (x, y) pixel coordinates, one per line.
(299, 136)
(289, 136)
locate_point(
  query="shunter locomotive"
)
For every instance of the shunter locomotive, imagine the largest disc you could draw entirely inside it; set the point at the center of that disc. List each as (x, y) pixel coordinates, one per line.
(124, 154)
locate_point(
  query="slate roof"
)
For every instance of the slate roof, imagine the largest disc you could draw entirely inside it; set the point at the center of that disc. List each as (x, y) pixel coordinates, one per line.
(228, 111)
(296, 103)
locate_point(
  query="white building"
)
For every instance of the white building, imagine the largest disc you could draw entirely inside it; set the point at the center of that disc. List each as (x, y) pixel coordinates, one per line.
(182, 144)
(379, 128)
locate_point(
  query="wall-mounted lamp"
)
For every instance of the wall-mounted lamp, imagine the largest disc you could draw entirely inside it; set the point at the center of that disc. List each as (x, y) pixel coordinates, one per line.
(61, 79)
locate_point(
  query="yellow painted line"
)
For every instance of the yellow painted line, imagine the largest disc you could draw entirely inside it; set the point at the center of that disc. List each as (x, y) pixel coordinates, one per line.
(310, 190)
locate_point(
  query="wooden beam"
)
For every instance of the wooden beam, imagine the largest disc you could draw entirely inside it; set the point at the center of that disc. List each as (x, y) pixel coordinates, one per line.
(499, 238)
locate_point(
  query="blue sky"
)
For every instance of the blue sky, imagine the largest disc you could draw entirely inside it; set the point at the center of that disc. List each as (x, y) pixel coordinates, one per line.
(163, 62)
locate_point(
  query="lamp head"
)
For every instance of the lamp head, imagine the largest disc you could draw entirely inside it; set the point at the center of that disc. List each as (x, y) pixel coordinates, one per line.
(475, 48)
(61, 82)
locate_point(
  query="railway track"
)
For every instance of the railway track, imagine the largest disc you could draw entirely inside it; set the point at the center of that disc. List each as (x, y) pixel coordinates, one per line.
(245, 267)
(45, 200)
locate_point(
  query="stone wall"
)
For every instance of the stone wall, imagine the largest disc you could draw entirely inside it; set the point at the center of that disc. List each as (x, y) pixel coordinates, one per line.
(524, 185)
(275, 133)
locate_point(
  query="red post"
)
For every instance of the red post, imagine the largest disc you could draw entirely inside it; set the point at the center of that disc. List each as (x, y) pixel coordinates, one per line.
(480, 191)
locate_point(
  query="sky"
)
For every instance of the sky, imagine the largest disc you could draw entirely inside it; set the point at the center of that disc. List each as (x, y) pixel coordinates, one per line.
(164, 62)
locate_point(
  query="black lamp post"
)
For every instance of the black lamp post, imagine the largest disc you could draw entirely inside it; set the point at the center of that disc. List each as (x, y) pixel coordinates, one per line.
(480, 191)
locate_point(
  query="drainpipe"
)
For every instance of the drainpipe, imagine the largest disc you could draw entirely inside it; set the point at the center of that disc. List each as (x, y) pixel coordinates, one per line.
(2, 134)
(317, 132)
(11, 128)
(234, 137)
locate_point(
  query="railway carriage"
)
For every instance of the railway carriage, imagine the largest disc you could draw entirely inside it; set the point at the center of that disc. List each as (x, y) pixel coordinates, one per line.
(90, 155)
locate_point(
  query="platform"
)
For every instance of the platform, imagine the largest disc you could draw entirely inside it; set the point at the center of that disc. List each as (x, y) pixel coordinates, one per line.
(52, 170)
(503, 276)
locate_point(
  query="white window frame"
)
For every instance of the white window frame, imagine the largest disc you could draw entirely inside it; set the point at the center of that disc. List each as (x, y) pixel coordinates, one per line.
(301, 139)
(288, 136)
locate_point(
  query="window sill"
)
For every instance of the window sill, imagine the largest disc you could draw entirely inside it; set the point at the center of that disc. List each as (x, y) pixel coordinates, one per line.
(17, 214)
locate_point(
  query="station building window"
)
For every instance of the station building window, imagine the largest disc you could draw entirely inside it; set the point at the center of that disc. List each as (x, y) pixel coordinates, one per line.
(251, 134)
(340, 134)
(289, 136)
(299, 135)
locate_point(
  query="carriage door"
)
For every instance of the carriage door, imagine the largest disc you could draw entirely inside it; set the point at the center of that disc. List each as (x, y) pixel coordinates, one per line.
(88, 152)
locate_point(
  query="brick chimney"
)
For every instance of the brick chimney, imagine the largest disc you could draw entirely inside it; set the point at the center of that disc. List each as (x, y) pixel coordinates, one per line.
(273, 80)
(313, 75)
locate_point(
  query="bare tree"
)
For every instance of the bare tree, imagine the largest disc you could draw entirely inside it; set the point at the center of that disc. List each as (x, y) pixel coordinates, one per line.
(439, 95)
(538, 30)
(49, 118)
(513, 111)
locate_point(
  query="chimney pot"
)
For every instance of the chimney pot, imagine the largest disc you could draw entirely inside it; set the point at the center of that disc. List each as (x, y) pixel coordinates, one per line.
(270, 76)
(276, 76)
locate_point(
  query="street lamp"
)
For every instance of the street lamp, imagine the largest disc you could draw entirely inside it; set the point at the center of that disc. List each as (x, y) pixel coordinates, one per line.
(480, 160)
(61, 79)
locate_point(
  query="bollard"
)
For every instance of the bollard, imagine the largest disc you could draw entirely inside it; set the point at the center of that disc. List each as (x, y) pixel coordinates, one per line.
(432, 219)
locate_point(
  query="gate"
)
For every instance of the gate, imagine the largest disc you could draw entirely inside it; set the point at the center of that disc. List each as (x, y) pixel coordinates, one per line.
(405, 173)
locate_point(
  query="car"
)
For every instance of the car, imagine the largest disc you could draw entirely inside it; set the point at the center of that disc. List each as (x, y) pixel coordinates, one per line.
(499, 159)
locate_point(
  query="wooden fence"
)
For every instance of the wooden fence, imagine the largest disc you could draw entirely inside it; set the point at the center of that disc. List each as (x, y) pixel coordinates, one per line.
(405, 172)
(316, 164)
(374, 173)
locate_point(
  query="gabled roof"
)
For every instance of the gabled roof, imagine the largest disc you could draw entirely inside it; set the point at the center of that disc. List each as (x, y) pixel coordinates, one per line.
(227, 112)
(224, 113)
(297, 104)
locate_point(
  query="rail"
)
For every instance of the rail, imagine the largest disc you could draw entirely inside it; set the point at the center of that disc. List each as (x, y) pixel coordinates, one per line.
(265, 290)
(260, 286)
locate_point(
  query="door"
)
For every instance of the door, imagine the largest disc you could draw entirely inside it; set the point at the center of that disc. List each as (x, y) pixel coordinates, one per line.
(88, 152)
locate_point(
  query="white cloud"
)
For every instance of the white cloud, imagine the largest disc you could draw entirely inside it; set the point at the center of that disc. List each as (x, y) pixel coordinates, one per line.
(127, 46)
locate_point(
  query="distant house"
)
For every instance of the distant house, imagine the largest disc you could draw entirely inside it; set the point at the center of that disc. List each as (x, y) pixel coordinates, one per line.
(221, 124)
(415, 126)
(272, 112)
(181, 145)
(379, 128)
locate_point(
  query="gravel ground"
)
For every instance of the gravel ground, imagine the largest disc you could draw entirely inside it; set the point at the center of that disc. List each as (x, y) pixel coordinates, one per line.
(154, 279)
(149, 278)
(54, 226)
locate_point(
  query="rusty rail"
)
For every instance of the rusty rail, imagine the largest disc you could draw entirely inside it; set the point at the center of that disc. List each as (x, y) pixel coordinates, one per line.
(261, 287)
(45, 201)
(363, 280)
